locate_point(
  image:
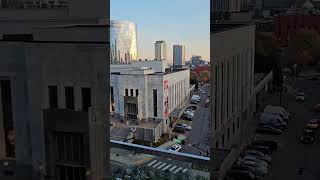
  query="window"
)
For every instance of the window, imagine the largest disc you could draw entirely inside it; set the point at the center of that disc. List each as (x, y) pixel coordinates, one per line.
(222, 86)
(228, 134)
(127, 94)
(227, 86)
(238, 123)
(137, 92)
(69, 92)
(217, 144)
(222, 139)
(53, 97)
(86, 98)
(131, 92)
(216, 97)
(233, 126)
(155, 102)
(112, 99)
(7, 117)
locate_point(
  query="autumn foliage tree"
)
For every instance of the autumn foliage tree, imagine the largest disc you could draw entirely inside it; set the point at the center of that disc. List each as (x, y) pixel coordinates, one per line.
(266, 47)
(204, 76)
(304, 47)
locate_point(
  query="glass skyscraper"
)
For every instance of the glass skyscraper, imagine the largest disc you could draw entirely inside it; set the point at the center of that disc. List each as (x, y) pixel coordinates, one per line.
(123, 42)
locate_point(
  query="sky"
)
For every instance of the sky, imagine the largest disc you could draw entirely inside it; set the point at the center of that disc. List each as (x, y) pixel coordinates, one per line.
(175, 21)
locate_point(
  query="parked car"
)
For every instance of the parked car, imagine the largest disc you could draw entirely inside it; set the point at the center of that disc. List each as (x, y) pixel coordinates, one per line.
(191, 110)
(313, 124)
(268, 130)
(263, 149)
(206, 105)
(203, 92)
(260, 155)
(259, 175)
(277, 112)
(175, 148)
(192, 107)
(279, 108)
(240, 175)
(184, 126)
(253, 158)
(273, 124)
(187, 117)
(272, 118)
(179, 130)
(255, 165)
(306, 139)
(317, 108)
(272, 144)
(300, 96)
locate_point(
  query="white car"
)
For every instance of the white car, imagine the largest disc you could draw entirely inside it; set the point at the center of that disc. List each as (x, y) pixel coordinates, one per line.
(175, 147)
(300, 97)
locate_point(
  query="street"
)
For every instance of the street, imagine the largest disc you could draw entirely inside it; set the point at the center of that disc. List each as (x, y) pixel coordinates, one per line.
(200, 125)
(292, 155)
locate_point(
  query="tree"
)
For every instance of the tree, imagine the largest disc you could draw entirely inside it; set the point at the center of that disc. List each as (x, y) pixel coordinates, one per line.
(266, 52)
(193, 78)
(266, 44)
(304, 47)
(204, 76)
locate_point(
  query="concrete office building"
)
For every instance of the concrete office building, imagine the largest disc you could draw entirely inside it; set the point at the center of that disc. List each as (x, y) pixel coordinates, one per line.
(42, 53)
(146, 90)
(160, 50)
(56, 87)
(123, 42)
(232, 84)
(179, 55)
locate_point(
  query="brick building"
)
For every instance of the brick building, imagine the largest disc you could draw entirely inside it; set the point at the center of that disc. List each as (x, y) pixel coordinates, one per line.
(285, 25)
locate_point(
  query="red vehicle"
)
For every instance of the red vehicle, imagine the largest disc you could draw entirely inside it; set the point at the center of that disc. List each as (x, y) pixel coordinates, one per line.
(317, 108)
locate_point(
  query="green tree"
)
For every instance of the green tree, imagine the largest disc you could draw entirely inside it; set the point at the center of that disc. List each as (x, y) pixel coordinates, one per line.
(193, 78)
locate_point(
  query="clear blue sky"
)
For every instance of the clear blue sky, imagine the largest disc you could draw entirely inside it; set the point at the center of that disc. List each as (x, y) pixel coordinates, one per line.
(175, 21)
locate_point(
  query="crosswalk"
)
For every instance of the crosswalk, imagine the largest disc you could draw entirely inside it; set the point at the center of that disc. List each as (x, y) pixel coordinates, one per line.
(166, 166)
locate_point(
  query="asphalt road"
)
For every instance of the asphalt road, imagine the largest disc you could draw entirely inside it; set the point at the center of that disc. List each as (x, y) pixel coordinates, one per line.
(200, 126)
(291, 154)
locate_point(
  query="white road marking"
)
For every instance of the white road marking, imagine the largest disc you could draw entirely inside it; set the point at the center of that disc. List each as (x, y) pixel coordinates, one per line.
(161, 165)
(185, 170)
(177, 170)
(172, 168)
(154, 161)
(169, 165)
(154, 166)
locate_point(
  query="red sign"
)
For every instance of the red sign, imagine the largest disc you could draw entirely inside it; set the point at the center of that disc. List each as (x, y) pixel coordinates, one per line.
(165, 98)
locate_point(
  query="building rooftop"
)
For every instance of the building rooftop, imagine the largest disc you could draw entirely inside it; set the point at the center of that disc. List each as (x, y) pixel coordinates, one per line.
(220, 27)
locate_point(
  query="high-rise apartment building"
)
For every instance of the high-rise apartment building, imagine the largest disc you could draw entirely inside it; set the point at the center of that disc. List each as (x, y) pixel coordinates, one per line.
(196, 60)
(179, 57)
(160, 50)
(123, 42)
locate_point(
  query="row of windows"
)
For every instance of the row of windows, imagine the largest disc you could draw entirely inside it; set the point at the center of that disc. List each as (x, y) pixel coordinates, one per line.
(71, 173)
(69, 97)
(131, 92)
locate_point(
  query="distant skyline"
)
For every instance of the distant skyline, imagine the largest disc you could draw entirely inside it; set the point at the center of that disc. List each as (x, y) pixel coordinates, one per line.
(174, 21)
